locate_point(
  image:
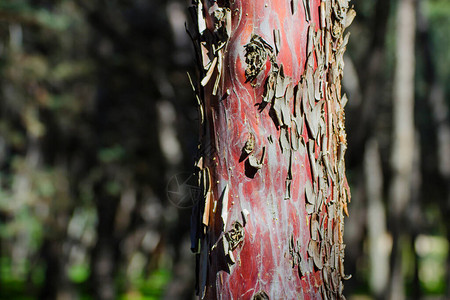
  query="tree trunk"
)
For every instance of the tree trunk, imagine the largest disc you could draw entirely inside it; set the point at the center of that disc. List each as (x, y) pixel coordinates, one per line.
(441, 121)
(376, 220)
(269, 222)
(402, 140)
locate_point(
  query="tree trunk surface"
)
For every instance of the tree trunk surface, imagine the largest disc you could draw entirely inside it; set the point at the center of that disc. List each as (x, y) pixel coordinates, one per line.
(269, 221)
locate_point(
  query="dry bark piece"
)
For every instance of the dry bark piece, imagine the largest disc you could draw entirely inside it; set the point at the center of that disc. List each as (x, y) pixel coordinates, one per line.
(224, 200)
(322, 229)
(219, 72)
(235, 235)
(200, 18)
(314, 251)
(294, 5)
(261, 296)
(344, 100)
(254, 162)
(351, 14)
(281, 83)
(249, 144)
(322, 14)
(310, 85)
(277, 106)
(319, 83)
(309, 208)
(277, 40)
(287, 194)
(284, 139)
(312, 159)
(307, 10)
(296, 123)
(310, 43)
(309, 193)
(256, 53)
(207, 195)
(269, 86)
(245, 213)
(315, 227)
(208, 75)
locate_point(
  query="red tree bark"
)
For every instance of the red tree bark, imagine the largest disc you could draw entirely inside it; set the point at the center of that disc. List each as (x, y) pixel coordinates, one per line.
(271, 165)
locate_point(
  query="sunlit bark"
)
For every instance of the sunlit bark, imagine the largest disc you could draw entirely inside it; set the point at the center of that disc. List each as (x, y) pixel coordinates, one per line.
(270, 222)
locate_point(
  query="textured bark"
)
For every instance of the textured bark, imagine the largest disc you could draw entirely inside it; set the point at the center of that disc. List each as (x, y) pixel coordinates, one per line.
(402, 140)
(269, 223)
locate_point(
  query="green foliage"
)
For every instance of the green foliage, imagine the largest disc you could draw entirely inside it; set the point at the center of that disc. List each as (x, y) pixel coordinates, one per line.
(438, 12)
(79, 81)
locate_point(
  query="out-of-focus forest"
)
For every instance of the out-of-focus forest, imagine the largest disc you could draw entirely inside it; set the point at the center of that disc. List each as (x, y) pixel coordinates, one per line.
(98, 134)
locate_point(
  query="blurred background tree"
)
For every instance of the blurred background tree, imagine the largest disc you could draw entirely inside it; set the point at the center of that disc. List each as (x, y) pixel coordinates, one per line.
(97, 117)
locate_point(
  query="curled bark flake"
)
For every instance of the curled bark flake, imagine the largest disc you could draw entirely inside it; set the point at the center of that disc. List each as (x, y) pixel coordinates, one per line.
(284, 139)
(315, 226)
(228, 21)
(313, 119)
(199, 102)
(309, 208)
(235, 235)
(318, 47)
(312, 159)
(254, 162)
(340, 9)
(224, 201)
(277, 107)
(261, 296)
(287, 193)
(294, 6)
(249, 144)
(277, 40)
(344, 100)
(310, 86)
(245, 213)
(319, 83)
(314, 251)
(341, 264)
(285, 108)
(322, 14)
(200, 18)
(206, 175)
(269, 87)
(327, 164)
(281, 83)
(208, 75)
(296, 131)
(206, 56)
(351, 14)
(309, 193)
(219, 72)
(307, 10)
(288, 181)
(336, 30)
(310, 43)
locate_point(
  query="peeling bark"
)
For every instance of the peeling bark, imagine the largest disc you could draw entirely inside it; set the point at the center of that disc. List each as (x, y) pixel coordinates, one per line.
(269, 223)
